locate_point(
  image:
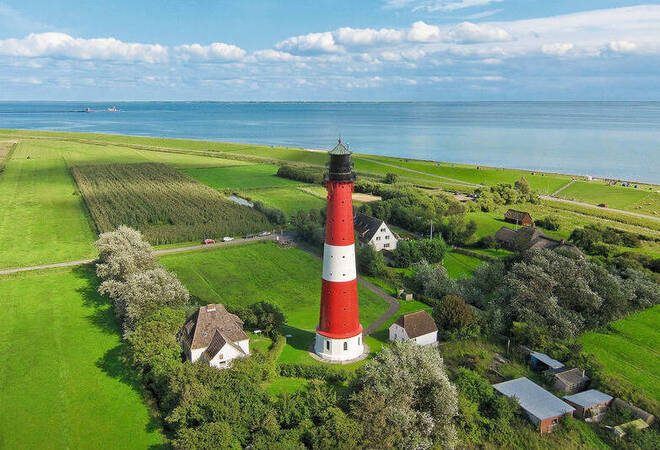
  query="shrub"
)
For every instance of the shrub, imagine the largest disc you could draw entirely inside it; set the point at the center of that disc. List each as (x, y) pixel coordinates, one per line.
(123, 252)
(453, 314)
(391, 178)
(261, 316)
(305, 174)
(275, 215)
(549, 223)
(370, 262)
(326, 373)
(411, 252)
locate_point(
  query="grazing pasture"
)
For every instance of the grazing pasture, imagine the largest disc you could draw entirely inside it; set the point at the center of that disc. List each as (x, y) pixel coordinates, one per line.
(459, 265)
(164, 204)
(630, 349)
(42, 217)
(252, 176)
(644, 199)
(63, 383)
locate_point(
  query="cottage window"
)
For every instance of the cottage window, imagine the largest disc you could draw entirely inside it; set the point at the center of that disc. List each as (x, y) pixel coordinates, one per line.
(387, 237)
(386, 245)
(555, 421)
(383, 230)
(378, 238)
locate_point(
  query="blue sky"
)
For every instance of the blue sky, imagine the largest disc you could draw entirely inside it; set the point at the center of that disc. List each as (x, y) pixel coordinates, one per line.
(330, 50)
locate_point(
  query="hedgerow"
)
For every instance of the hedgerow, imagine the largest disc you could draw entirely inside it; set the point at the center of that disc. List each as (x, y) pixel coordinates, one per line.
(165, 205)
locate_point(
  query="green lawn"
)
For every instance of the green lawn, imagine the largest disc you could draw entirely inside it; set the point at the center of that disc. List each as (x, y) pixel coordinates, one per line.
(245, 274)
(459, 265)
(644, 200)
(42, 218)
(63, 383)
(242, 177)
(288, 199)
(631, 351)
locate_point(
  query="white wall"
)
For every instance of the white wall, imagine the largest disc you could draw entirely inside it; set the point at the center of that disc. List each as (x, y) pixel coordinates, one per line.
(382, 237)
(333, 349)
(397, 332)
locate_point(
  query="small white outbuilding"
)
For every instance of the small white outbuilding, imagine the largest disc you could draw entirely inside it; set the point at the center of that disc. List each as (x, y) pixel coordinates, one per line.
(418, 327)
(214, 336)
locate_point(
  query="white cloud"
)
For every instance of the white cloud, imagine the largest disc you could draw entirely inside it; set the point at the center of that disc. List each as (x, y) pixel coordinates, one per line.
(63, 45)
(622, 47)
(274, 55)
(367, 36)
(558, 49)
(423, 32)
(217, 51)
(310, 44)
(468, 32)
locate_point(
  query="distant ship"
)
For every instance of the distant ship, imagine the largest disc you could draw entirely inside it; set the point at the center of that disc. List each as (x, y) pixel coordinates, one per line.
(111, 109)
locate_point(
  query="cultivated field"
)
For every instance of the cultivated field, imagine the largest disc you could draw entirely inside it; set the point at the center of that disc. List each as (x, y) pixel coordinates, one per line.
(631, 350)
(62, 381)
(42, 218)
(164, 204)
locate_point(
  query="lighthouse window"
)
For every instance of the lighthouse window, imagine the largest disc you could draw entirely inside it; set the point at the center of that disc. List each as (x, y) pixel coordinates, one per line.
(327, 345)
(359, 341)
(345, 346)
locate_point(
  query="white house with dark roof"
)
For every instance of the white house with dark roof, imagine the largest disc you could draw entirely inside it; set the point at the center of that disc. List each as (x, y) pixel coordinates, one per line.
(374, 232)
(214, 336)
(418, 327)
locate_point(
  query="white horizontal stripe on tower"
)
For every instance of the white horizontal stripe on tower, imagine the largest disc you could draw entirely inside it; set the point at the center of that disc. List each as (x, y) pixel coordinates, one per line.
(339, 262)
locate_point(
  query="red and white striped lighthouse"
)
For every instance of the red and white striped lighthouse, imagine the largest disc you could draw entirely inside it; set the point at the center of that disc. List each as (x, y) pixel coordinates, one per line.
(339, 333)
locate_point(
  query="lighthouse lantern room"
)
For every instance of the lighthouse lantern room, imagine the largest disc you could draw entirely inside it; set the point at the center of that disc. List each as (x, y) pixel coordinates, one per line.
(339, 333)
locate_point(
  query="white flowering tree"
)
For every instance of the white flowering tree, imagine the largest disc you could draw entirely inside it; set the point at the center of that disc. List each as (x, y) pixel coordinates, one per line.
(404, 399)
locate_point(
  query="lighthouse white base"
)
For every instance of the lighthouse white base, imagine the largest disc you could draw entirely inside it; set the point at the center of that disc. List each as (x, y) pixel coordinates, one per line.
(338, 349)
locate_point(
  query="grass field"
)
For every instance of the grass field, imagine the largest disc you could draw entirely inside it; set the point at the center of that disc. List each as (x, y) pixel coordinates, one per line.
(42, 220)
(245, 274)
(251, 176)
(631, 350)
(290, 199)
(162, 203)
(459, 265)
(644, 200)
(62, 381)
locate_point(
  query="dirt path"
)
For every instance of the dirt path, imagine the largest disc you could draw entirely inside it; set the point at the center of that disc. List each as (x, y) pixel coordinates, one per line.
(630, 213)
(554, 194)
(166, 251)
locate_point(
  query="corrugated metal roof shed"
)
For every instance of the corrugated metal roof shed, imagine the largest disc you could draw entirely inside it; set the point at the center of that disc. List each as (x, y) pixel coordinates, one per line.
(545, 359)
(588, 398)
(533, 398)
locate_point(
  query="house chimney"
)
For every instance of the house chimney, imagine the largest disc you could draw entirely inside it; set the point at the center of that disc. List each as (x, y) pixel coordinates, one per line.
(339, 333)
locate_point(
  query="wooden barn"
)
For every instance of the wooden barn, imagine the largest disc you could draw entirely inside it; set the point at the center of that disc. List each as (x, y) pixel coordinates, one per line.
(518, 217)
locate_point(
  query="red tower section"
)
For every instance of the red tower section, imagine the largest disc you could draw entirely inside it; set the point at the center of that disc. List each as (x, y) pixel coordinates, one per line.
(339, 316)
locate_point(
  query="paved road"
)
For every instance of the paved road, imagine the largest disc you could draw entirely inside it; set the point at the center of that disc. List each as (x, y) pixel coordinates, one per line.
(630, 213)
(166, 251)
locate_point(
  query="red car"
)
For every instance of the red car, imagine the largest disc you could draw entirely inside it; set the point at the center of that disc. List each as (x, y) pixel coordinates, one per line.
(208, 241)
(603, 205)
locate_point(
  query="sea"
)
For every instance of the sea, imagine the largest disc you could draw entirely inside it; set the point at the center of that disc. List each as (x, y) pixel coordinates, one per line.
(618, 140)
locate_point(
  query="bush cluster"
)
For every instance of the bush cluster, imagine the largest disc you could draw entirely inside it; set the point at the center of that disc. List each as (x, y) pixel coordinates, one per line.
(275, 215)
(505, 194)
(551, 223)
(305, 174)
(411, 252)
(262, 316)
(316, 372)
